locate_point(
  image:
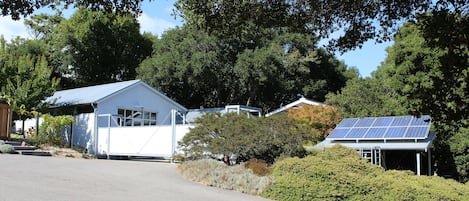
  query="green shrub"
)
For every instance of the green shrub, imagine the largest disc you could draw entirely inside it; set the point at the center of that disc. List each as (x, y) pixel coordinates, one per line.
(338, 173)
(247, 138)
(51, 129)
(214, 173)
(6, 148)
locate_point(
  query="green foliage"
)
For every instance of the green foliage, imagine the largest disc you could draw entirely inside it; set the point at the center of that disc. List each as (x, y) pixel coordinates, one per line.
(99, 47)
(24, 77)
(431, 70)
(247, 138)
(368, 97)
(6, 148)
(26, 7)
(459, 146)
(217, 174)
(338, 173)
(51, 129)
(266, 70)
(428, 66)
(353, 21)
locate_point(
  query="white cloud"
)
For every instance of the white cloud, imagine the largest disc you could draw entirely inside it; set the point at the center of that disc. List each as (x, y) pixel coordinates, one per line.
(11, 29)
(154, 25)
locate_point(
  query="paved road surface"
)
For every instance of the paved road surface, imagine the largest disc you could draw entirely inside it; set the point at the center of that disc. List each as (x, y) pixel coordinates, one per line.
(32, 178)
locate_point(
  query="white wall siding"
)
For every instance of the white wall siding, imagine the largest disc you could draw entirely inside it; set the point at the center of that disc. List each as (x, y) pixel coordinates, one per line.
(139, 97)
(140, 141)
(82, 134)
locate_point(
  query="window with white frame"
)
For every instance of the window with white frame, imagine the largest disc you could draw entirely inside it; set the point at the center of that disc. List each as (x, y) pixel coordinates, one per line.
(136, 117)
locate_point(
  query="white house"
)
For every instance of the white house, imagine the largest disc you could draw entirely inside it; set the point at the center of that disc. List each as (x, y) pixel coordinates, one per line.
(132, 104)
(296, 104)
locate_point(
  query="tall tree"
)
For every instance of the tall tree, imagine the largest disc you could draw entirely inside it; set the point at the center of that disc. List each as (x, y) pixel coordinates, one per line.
(356, 21)
(429, 62)
(365, 97)
(189, 66)
(97, 47)
(198, 69)
(25, 77)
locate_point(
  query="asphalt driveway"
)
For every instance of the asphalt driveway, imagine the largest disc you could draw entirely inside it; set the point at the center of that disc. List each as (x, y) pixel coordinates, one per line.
(64, 179)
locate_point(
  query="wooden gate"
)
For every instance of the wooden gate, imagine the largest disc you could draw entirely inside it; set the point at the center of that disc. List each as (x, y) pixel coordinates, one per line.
(5, 121)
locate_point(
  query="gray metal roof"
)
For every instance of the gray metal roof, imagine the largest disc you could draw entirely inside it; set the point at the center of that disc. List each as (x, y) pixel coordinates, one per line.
(96, 94)
(87, 95)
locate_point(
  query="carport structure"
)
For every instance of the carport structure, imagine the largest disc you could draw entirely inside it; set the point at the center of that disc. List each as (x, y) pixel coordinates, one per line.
(372, 137)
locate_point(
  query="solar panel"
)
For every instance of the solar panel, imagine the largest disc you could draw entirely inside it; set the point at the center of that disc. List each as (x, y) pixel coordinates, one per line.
(357, 132)
(401, 121)
(347, 123)
(365, 122)
(375, 133)
(401, 127)
(417, 132)
(395, 132)
(339, 133)
(383, 121)
(422, 121)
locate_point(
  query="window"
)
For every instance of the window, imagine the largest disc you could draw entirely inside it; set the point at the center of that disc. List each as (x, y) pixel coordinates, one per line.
(136, 117)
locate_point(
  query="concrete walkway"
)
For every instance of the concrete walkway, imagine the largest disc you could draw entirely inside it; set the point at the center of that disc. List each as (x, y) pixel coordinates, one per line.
(63, 179)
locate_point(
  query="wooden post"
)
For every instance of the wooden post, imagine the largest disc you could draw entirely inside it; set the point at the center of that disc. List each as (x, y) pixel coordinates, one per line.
(5, 121)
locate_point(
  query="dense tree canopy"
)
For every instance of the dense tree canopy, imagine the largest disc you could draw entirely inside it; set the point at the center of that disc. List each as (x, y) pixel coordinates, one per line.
(197, 69)
(358, 20)
(91, 47)
(24, 8)
(25, 77)
(368, 97)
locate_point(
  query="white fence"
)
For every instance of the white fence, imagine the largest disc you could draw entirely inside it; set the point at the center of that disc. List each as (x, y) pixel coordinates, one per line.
(153, 141)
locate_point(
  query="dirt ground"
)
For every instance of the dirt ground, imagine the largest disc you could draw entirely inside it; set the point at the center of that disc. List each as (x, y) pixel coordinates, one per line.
(64, 152)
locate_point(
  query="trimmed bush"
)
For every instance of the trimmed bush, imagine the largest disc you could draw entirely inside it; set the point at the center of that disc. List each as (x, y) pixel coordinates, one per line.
(215, 173)
(338, 173)
(246, 138)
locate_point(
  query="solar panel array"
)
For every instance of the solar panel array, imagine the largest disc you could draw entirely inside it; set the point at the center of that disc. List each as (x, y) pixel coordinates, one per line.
(379, 128)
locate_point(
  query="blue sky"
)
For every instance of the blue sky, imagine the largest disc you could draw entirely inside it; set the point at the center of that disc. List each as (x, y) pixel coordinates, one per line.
(157, 18)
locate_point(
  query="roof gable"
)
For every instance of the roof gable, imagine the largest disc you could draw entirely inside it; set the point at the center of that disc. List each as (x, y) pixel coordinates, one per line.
(298, 102)
(99, 93)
